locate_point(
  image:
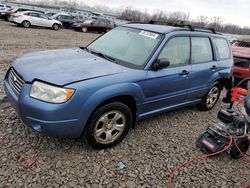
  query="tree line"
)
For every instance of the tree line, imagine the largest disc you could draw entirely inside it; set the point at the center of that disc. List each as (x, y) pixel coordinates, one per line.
(178, 17)
(136, 15)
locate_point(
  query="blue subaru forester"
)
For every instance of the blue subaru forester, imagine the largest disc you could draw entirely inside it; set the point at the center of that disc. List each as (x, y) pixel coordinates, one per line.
(130, 73)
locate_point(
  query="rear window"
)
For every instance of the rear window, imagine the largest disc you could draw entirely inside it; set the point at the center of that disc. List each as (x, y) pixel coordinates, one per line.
(201, 50)
(223, 48)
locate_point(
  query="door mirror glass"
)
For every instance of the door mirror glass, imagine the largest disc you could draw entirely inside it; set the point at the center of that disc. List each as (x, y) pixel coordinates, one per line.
(161, 63)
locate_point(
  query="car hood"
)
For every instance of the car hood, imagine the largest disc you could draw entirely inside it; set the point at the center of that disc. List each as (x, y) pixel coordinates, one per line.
(65, 66)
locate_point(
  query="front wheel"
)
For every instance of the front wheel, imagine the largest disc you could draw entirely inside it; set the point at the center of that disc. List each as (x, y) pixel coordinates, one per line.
(211, 98)
(108, 125)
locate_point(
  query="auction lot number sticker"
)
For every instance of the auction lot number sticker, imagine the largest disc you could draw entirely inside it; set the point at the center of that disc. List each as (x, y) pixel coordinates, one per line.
(149, 34)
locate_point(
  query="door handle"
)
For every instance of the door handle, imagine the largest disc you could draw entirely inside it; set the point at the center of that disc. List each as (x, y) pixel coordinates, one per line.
(184, 72)
(213, 67)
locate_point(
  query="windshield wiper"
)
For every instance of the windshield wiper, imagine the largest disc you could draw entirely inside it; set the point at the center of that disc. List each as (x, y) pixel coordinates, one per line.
(102, 55)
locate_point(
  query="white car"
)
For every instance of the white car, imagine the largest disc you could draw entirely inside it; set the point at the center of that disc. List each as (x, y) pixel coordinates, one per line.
(31, 18)
(3, 8)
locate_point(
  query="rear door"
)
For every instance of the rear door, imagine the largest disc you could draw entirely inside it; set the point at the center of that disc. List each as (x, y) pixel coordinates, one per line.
(34, 18)
(204, 66)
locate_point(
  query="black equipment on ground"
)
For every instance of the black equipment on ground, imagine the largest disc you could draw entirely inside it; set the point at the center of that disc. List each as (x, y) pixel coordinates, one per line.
(231, 125)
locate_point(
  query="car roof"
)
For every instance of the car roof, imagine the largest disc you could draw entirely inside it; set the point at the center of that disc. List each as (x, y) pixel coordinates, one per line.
(63, 13)
(23, 12)
(163, 29)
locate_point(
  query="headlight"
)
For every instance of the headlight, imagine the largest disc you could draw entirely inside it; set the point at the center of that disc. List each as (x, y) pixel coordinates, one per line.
(49, 93)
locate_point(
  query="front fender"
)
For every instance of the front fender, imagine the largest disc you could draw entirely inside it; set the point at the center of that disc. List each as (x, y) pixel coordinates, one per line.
(129, 89)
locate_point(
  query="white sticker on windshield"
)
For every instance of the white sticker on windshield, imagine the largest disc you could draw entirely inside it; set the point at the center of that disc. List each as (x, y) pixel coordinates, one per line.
(149, 34)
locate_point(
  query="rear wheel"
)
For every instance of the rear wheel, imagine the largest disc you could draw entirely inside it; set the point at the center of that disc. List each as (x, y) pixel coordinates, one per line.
(55, 27)
(84, 29)
(108, 125)
(26, 24)
(211, 98)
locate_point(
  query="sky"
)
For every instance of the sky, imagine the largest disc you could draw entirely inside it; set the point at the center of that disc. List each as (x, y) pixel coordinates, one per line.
(232, 11)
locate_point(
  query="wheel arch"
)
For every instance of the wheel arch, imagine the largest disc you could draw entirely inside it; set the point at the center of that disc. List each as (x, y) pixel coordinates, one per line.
(130, 94)
(128, 100)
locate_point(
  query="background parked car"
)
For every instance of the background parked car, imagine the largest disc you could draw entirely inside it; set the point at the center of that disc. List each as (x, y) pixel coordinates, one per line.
(9, 12)
(98, 25)
(79, 19)
(50, 14)
(65, 19)
(30, 18)
(241, 53)
(3, 9)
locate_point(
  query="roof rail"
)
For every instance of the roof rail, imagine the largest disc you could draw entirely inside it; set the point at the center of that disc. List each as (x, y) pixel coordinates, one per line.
(181, 24)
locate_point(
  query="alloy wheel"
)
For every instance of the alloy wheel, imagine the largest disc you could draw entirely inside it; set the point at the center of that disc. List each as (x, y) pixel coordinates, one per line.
(212, 96)
(109, 127)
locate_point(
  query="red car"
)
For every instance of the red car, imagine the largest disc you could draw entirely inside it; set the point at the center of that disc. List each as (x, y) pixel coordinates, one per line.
(98, 25)
(241, 68)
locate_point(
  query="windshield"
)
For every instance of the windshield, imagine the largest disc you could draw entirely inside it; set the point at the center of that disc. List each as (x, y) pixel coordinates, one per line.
(132, 47)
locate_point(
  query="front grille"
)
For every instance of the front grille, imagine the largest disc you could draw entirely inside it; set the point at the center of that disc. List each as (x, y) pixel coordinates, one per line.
(15, 80)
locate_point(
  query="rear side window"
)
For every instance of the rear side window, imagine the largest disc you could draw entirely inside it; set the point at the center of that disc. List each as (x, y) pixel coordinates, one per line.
(201, 50)
(177, 51)
(222, 47)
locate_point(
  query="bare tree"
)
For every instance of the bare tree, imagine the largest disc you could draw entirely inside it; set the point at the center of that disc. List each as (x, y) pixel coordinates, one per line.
(201, 21)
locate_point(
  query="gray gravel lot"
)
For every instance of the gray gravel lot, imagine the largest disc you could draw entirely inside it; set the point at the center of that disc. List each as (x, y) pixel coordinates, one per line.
(150, 152)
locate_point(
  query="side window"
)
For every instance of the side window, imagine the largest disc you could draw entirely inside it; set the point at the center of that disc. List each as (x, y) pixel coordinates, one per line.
(33, 14)
(96, 22)
(222, 47)
(43, 16)
(201, 50)
(177, 51)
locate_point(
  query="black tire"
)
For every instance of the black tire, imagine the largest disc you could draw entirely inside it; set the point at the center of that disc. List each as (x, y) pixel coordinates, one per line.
(26, 24)
(56, 27)
(243, 144)
(95, 124)
(205, 105)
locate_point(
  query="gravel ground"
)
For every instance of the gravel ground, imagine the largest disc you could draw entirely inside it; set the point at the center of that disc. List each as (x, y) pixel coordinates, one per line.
(150, 152)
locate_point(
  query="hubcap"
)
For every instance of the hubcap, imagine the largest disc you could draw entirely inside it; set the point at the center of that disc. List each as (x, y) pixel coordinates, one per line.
(212, 96)
(55, 27)
(109, 127)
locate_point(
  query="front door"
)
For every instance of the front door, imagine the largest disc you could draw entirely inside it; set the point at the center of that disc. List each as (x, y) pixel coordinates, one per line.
(168, 87)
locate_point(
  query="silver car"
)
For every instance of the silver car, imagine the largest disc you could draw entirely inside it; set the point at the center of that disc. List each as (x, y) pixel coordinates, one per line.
(31, 18)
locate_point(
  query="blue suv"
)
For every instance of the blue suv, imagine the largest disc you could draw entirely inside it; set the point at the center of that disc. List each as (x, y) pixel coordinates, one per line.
(130, 73)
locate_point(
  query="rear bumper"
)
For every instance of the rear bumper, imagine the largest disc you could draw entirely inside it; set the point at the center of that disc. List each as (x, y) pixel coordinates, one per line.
(54, 120)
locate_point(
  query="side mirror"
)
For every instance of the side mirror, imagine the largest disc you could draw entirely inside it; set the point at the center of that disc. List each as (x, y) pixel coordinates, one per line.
(161, 63)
